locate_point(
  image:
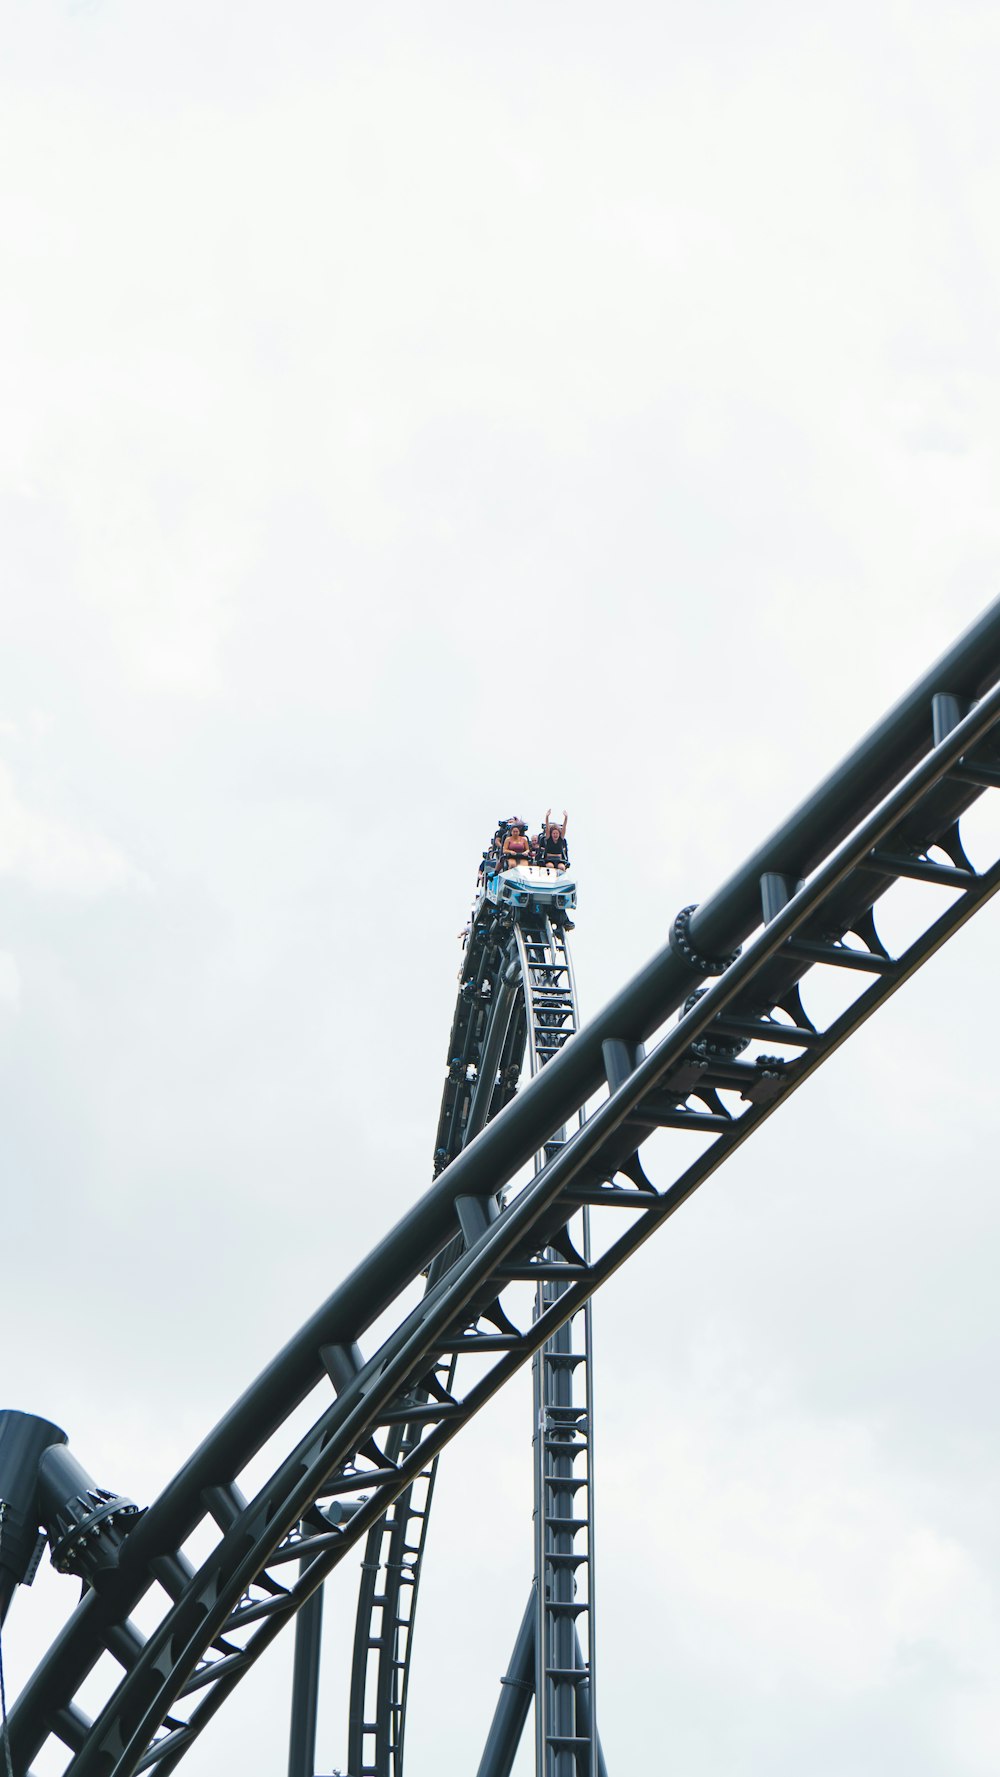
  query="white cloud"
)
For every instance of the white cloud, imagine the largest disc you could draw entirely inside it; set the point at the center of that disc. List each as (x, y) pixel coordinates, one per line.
(793, 1554)
(10, 981)
(57, 856)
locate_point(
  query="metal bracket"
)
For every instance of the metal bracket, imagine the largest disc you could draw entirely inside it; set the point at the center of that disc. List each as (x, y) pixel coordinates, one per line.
(341, 1363)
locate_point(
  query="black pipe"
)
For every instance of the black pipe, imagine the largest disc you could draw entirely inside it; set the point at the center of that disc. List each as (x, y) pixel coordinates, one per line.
(887, 752)
(305, 1684)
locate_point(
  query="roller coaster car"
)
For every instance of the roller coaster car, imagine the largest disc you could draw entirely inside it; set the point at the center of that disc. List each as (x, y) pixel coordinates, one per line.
(532, 885)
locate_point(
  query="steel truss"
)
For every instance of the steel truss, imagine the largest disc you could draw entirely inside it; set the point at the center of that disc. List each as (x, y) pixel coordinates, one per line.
(804, 903)
(517, 996)
(485, 1054)
(485, 1057)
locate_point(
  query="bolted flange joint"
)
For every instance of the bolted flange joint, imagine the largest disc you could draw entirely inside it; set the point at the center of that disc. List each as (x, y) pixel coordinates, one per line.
(86, 1525)
(680, 941)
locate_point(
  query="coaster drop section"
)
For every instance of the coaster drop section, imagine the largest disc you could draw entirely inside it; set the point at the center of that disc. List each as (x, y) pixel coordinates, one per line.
(706, 1042)
(516, 997)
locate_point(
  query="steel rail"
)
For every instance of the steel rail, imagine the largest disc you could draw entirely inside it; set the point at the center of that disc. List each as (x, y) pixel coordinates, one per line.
(550, 1191)
(485, 1048)
(208, 1608)
(721, 923)
(563, 1430)
(499, 1018)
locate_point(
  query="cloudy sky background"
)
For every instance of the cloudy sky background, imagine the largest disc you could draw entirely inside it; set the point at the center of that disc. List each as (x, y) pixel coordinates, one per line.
(408, 412)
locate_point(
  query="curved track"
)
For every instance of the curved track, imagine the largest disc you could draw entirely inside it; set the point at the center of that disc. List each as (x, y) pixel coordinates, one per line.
(219, 1574)
(516, 997)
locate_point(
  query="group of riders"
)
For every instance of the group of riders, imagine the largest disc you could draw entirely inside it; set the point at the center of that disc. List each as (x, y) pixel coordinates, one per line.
(511, 846)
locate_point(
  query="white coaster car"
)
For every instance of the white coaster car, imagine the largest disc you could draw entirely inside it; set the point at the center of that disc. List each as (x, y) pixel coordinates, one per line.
(527, 885)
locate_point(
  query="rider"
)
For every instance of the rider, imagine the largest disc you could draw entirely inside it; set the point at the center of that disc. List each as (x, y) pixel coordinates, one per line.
(550, 847)
(516, 845)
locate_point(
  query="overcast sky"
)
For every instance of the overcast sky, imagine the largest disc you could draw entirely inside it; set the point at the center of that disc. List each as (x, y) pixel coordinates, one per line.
(409, 412)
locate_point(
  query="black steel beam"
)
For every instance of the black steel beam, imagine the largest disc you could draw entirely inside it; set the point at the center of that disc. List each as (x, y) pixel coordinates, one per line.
(506, 1143)
(725, 920)
(305, 1686)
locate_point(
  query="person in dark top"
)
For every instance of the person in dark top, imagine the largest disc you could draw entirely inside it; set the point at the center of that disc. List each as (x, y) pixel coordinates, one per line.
(551, 849)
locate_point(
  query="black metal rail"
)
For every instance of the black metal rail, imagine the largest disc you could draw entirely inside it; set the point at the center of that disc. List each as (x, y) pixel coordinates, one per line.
(485, 1056)
(516, 998)
(566, 1742)
(698, 1079)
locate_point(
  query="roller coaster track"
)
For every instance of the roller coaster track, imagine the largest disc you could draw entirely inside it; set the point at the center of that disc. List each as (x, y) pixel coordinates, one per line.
(220, 1574)
(485, 1057)
(517, 996)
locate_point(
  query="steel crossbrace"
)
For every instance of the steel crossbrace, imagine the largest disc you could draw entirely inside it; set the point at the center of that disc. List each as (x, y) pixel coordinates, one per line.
(329, 1460)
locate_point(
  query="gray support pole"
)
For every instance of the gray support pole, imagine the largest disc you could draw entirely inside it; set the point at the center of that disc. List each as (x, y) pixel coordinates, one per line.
(516, 1691)
(555, 1658)
(305, 1685)
(583, 1714)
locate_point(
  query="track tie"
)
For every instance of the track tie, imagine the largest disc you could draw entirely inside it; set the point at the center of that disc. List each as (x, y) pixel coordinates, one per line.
(984, 777)
(539, 1270)
(429, 1415)
(606, 1196)
(353, 1483)
(170, 1746)
(124, 1642)
(813, 950)
(650, 1115)
(173, 1572)
(767, 1030)
(225, 1504)
(71, 1725)
(919, 869)
(253, 1613)
(208, 1674)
